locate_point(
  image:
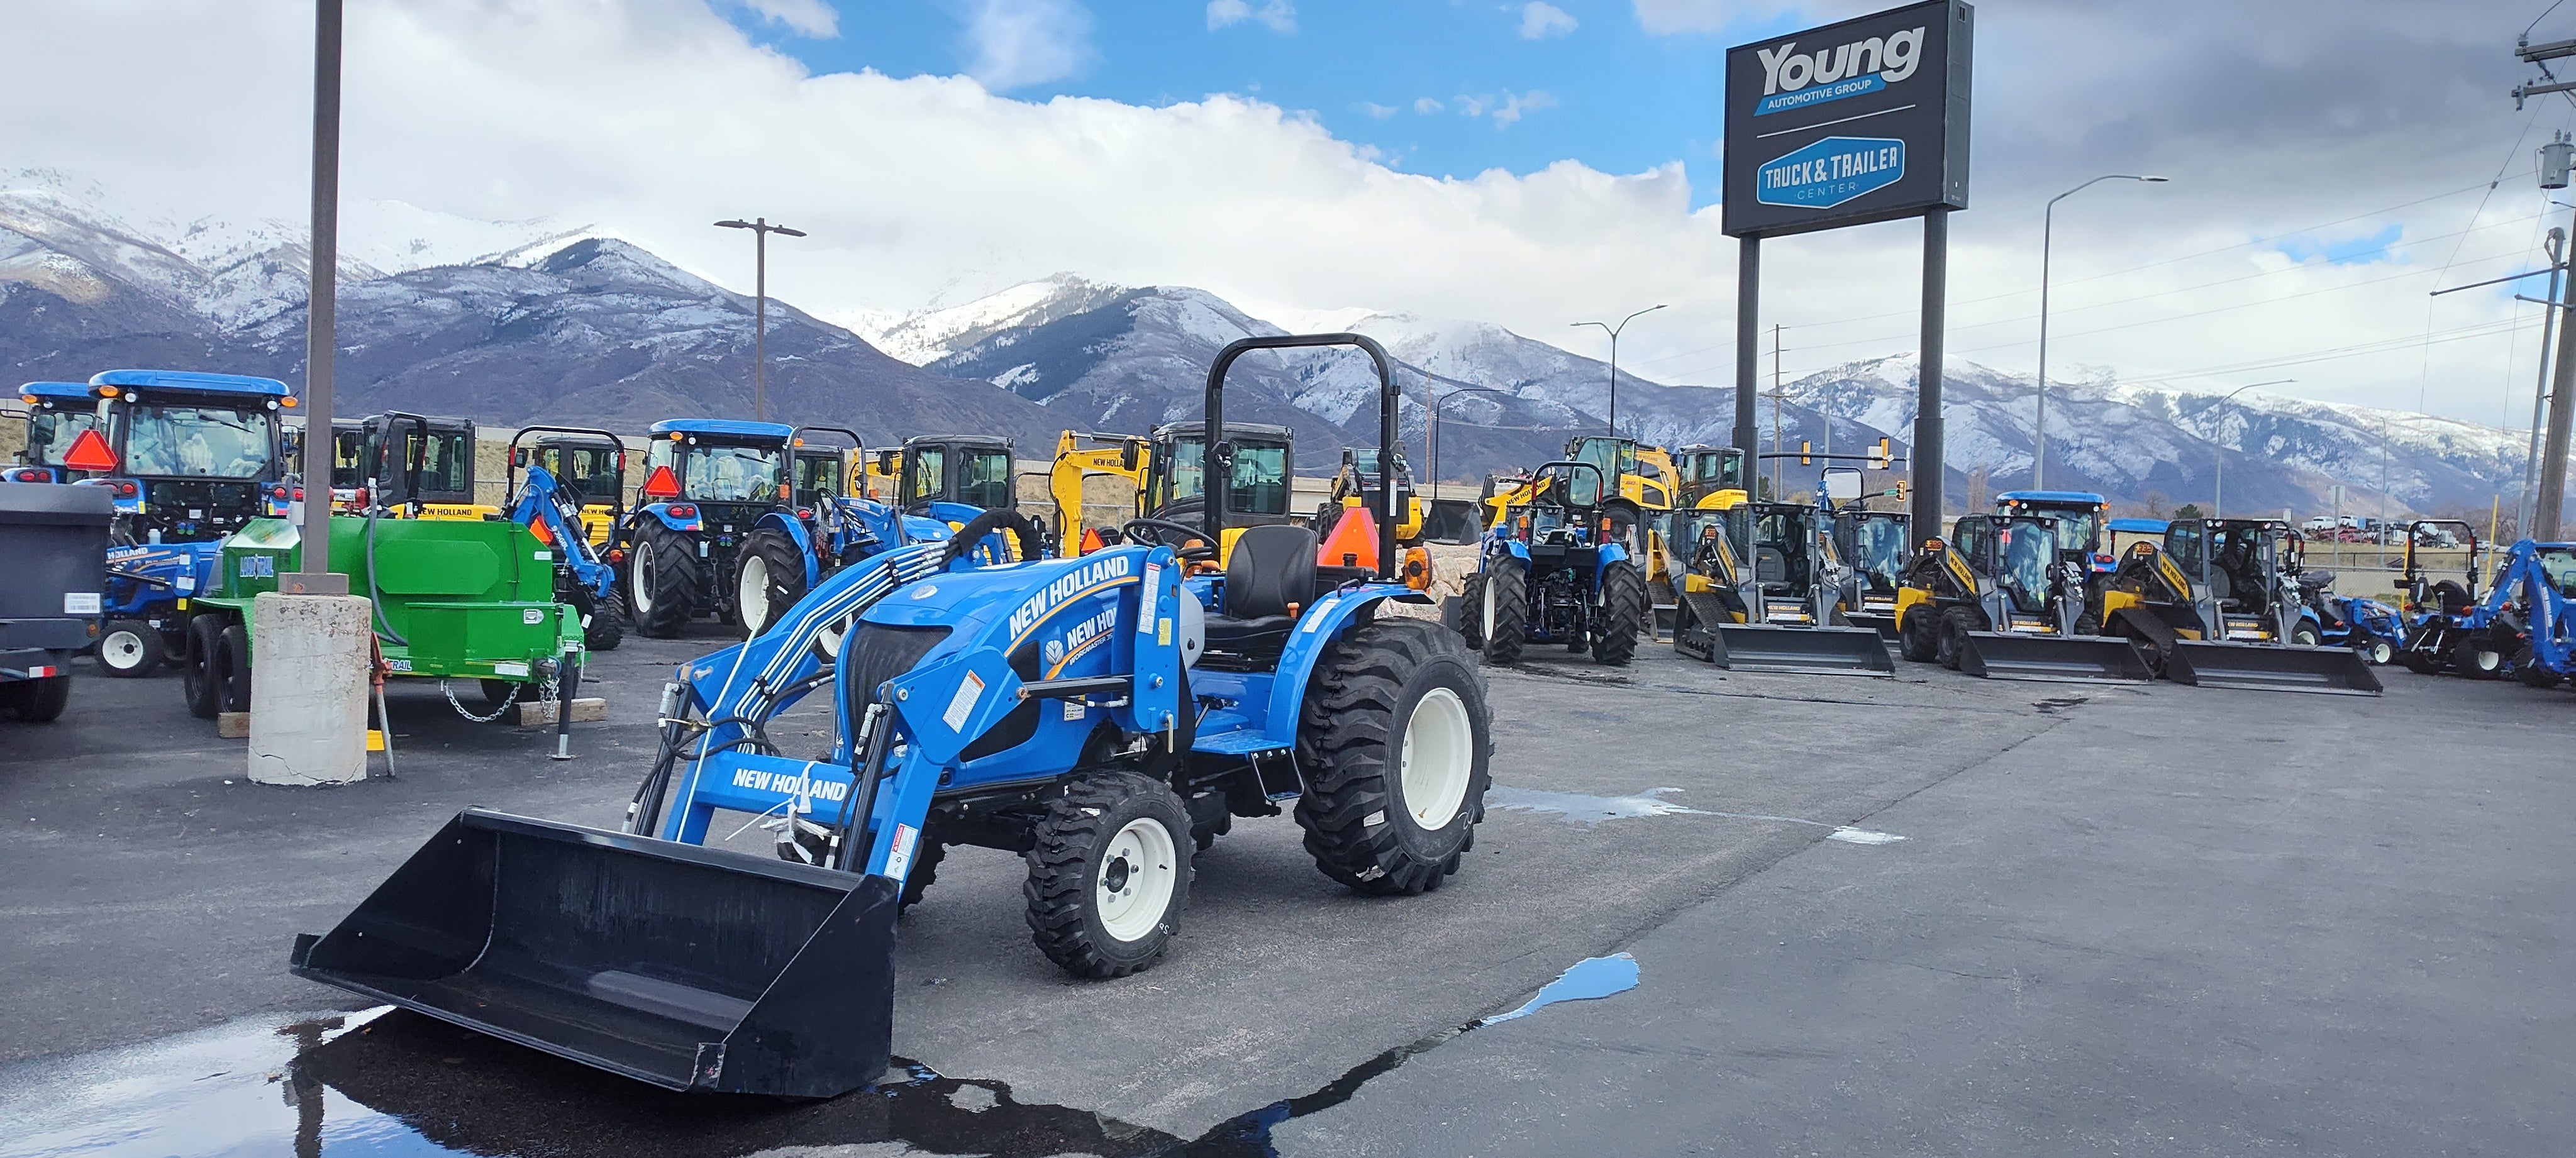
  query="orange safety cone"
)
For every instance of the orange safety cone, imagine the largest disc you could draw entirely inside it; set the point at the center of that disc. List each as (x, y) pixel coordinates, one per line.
(1353, 542)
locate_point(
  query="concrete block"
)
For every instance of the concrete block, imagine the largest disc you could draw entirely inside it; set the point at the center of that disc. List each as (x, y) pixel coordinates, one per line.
(308, 689)
(585, 710)
(232, 725)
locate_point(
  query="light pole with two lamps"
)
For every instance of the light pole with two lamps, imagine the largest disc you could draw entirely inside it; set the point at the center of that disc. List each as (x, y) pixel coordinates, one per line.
(1613, 331)
(761, 229)
(2047, 228)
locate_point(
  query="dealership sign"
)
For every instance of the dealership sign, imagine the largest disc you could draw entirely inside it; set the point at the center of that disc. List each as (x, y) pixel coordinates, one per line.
(1860, 121)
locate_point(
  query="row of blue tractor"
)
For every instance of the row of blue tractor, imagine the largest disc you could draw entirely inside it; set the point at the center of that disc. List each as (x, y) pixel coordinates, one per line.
(1104, 716)
(2513, 626)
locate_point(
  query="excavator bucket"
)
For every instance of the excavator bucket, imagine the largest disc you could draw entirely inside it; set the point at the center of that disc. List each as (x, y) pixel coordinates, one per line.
(1802, 650)
(691, 968)
(2271, 667)
(2053, 659)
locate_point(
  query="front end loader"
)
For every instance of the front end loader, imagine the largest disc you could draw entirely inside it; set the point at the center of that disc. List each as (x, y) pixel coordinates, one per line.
(1999, 599)
(2214, 606)
(1781, 611)
(1104, 716)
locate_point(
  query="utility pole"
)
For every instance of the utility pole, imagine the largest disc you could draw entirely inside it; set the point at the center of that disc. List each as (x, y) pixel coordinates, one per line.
(321, 295)
(761, 229)
(2556, 157)
(2555, 247)
(1776, 492)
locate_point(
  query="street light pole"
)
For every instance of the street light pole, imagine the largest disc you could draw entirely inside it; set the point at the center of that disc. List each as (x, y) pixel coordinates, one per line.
(321, 294)
(2218, 477)
(1613, 331)
(2047, 231)
(761, 229)
(1436, 404)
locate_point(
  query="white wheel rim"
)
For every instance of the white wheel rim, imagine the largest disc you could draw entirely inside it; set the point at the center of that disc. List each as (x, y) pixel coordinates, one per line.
(1134, 885)
(641, 597)
(2379, 652)
(827, 641)
(123, 650)
(1489, 605)
(751, 593)
(1439, 758)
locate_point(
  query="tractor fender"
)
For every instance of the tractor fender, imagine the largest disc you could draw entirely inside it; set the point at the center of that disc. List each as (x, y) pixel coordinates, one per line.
(1316, 630)
(921, 529)
(1514, 549)
(1603, 558)
(692, 524)
(794, 528)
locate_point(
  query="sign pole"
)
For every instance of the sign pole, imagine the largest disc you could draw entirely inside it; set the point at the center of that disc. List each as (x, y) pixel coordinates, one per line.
(1748, 337)
(320, 443)
(1926, 516)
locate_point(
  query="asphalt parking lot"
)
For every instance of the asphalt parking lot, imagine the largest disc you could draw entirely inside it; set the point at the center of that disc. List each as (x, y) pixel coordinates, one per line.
(2118, 920)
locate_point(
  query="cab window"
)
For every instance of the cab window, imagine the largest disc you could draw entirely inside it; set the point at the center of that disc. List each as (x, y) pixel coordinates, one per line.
(984, 479)
(925, 473)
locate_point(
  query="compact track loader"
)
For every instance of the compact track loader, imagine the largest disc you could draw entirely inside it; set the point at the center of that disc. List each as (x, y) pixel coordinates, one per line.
(2213, 606)
(1103, 716)
(2000, 598)
(1783, 612)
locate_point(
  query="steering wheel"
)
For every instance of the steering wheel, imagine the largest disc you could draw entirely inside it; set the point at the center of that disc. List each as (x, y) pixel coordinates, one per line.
(1165, 532)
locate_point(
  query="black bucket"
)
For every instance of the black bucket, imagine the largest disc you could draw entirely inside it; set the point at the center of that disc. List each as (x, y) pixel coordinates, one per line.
(1802, 650)
(689, 968)
(2053, 659)
(2271, 667)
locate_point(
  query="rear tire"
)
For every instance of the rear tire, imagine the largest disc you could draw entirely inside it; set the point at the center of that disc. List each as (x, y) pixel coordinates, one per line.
(662, 580)
(41, 701)
(1956, 623)
(2476, 658)
(1506, 614)
(232, 668)
(1623, 614)
(1108, 874)
(130, 648)
(2421, 663)
(769, 579)
(1471, 610)
(197, 684)
(1395, 740)
(1919, 639)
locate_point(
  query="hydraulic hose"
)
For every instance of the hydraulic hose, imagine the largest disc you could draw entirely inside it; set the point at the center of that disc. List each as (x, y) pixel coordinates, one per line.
(375, 600)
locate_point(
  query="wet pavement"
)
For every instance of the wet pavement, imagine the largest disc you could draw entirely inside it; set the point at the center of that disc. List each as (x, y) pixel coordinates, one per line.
(1741, 848)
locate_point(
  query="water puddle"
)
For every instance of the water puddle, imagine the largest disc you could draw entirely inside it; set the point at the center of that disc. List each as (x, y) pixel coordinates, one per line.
(1586, 980)
(389, 1084)
(1578, 808)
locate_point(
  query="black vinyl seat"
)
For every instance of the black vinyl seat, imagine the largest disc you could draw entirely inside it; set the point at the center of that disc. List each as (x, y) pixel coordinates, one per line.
(1271, 570)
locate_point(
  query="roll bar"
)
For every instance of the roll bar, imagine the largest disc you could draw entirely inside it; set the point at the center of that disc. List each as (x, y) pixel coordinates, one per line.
(1220, 453)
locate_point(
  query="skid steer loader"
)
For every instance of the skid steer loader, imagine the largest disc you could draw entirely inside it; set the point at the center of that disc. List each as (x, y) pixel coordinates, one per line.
(2002, 598)
(1104, 716)
(2213, 607)
(1782, 612)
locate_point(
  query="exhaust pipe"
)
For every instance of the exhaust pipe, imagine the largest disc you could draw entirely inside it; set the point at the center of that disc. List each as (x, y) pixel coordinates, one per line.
(690, 968)
(2271, 667)
(2053, 658)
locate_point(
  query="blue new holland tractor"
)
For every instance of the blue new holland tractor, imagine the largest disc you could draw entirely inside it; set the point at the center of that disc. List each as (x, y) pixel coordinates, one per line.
(1103, 716)
(795, 546)
(707, 483)
(57, 413)
(1555, 568)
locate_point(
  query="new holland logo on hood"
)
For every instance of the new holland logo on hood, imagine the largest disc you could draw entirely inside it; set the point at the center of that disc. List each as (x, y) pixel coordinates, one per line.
(1066, 586)
(1795, 80)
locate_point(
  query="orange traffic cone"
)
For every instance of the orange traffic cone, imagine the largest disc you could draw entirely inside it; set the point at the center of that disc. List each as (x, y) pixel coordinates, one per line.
(1353, 542)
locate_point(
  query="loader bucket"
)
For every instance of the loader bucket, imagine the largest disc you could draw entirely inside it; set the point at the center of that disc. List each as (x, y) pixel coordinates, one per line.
(686, 967)
(2091, 659)
(1802, 650)
(2270, 667)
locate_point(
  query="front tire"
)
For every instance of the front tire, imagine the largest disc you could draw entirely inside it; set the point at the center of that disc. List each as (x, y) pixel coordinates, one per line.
(1395, 739)
(130, 648)
(1919, 639)
(2304, 635)
(2378, 651)
(1956, 623)
(661, 580)
(1108, 874)
(2528, 668)
(769, 579)
(1506, 614)
(1623, 614)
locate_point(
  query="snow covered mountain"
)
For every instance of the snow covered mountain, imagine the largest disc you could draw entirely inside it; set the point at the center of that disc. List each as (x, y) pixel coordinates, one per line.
(580, 327)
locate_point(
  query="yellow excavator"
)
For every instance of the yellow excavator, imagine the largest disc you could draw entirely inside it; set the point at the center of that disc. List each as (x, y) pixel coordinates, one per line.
(1169, 470)
(1081, 455)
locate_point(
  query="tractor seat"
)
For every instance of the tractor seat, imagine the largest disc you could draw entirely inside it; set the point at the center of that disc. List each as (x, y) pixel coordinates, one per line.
(2316, 580)
(1272, 569)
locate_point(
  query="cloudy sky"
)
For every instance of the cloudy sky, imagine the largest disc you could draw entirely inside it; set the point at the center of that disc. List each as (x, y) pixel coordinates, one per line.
(1526, 163)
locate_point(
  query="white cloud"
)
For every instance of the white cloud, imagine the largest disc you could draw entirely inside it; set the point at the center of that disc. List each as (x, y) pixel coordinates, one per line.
(1378, 111)
(812, 18)
(1427, 105)
(1540, 20)
(1507, 109)
(1279, 16)
(651, 118)
(1014, 43)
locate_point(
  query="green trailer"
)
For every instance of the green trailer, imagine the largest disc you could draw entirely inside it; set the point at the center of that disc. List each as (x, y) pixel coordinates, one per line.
(453, 600)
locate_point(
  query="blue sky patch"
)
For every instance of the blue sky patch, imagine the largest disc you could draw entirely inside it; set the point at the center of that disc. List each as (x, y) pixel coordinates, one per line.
(2349, 251)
